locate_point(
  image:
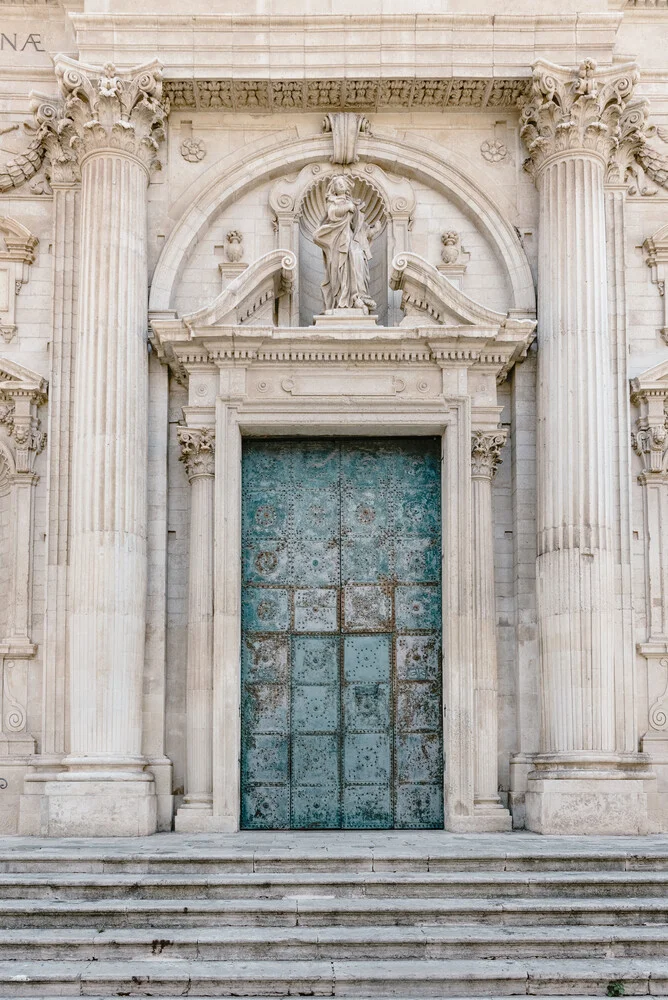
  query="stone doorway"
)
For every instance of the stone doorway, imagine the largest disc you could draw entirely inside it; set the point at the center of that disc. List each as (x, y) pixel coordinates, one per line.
(341, 634)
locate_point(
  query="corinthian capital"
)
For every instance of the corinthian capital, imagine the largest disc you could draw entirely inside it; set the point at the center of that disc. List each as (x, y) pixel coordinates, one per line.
(485, 453)
(103, 108)
(197, 450)
(583, 110)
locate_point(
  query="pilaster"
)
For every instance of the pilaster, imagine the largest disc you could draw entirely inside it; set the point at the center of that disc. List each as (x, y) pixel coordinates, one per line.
(485, 457)
(574, 127)
(198, 456)
(113, 123)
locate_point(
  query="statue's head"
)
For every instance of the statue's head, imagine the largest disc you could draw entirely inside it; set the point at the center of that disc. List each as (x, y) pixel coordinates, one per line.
(340, 184)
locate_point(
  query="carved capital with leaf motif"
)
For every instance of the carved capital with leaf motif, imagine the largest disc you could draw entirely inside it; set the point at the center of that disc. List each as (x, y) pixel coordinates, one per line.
(197, 450)
(105, 108)
(586, 110)
(485, 453)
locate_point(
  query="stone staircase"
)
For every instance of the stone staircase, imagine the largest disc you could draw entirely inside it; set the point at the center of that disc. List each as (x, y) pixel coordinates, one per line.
(351, 915)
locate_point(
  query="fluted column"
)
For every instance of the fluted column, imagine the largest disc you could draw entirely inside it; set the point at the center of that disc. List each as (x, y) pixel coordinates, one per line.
(571, 129)
(197, 453)
(115, 121)
(485, 457)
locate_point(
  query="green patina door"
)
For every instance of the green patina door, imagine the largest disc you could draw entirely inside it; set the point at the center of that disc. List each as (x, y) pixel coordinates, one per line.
(341, 634)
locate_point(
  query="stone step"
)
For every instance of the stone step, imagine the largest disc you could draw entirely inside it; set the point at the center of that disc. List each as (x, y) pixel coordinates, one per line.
(338, 978)
(310, 944)
(362, 851)
(322, 912)
(268, 885)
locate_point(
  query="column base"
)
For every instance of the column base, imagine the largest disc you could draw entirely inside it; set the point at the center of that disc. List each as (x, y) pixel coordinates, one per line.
(595, 795)
(106, 804)
(195, 815)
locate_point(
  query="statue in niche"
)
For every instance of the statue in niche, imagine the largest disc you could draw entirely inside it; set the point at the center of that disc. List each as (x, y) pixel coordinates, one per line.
(344, 236)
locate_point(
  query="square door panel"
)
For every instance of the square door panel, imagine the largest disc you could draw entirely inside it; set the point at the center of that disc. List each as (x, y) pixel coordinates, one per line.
(266, 759)
(265, 515)
(264, 658)
(418, 560)
(265, 610)
(366, 707)
(367, 758)
(265, 707)
(413, 515)
(418, 657)
(315, 659)
(315, 761)
(266, 562)
(367, 807)
(316, 610)
(418, 707)
(317, 463)
(315, 708)
(316, 563)
(418, 608)
(317, 513)
(315, 808)
(419, 807)
(367, 608)
(419, 757)
(366, 658)
(366, 560)
(364, 511)
(266, 807)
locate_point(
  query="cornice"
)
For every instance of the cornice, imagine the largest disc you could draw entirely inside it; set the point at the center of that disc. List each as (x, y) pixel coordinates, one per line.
(302, 47)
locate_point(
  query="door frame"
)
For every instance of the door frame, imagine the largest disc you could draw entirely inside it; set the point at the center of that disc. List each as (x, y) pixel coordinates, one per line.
(447, 417)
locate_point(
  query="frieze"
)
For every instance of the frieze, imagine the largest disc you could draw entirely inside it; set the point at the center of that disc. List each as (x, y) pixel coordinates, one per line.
(348, 95)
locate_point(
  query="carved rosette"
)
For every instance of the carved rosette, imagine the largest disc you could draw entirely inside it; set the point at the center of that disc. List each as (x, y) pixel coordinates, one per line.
(485, 453)
(585, 110)
(102, 108)
(197, 450)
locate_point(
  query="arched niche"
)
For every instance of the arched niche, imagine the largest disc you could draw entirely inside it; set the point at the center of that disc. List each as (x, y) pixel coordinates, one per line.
(298, 205)
(445, 171)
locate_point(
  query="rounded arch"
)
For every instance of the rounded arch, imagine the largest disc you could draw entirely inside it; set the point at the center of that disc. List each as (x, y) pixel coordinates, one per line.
(445, 170)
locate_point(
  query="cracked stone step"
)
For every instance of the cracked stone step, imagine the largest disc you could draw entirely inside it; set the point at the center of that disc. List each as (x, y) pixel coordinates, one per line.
(339, 884)
(338, 978)
(305, 943)
(346, 911)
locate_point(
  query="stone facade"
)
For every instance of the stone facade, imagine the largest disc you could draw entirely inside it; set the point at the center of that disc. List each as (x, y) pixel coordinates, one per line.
(163, 185)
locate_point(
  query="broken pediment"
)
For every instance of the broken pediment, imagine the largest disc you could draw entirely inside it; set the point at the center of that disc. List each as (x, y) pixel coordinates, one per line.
(429, 297)
(252, 297)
